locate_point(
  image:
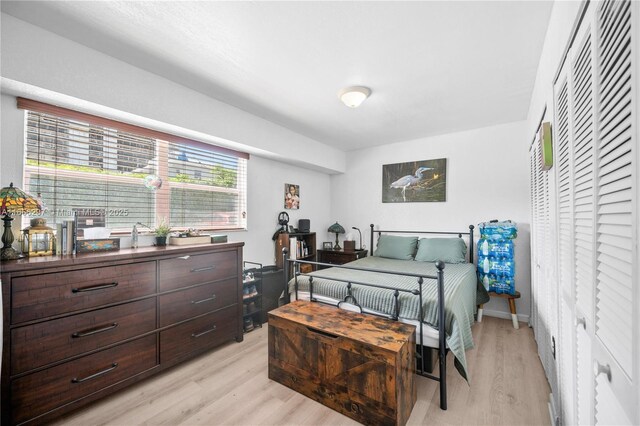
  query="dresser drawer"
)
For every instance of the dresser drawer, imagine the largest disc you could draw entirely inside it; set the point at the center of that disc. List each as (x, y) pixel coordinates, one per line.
(45, 390)
(337, 259)
(198, 335)
(41, 344)
(184, 304)
(197, 269)
(40, 296)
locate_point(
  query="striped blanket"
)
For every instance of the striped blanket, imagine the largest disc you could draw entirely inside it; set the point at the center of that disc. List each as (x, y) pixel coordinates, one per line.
(460, 285)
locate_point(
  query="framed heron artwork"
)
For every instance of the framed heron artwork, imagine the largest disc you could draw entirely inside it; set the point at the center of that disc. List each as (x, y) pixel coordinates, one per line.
(415, 181)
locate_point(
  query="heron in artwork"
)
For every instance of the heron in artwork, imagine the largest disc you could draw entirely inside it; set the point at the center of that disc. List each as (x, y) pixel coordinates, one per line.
(406, 181)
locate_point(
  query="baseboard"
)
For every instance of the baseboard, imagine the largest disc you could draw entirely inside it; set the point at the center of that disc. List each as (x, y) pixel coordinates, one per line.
(505, 315)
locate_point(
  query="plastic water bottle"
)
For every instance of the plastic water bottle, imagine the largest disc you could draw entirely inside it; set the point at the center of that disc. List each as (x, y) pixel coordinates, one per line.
(508, 267)
(483, 246)
(485, 265)
(134, 237)
(485, 282)
(507, 249)
(495, 266)
(495, 249)
(493, 283)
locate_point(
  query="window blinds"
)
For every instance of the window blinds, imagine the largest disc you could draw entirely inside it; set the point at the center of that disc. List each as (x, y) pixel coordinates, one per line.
(76, 161)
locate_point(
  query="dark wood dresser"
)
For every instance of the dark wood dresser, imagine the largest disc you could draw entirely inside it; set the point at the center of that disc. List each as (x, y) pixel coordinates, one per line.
(77, 328)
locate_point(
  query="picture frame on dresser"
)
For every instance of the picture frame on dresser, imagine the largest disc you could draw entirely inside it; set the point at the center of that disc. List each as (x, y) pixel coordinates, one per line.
(327, 245)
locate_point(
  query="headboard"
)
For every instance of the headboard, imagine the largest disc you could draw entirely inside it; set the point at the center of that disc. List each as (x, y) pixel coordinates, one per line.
(459, 234)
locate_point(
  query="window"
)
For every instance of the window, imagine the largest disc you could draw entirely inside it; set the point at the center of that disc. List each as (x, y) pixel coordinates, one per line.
(82, 162)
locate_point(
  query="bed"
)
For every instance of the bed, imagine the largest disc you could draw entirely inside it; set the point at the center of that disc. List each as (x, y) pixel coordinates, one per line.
(407, 287)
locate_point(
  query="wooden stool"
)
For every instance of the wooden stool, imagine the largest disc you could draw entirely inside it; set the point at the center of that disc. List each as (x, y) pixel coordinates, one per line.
(512, 306)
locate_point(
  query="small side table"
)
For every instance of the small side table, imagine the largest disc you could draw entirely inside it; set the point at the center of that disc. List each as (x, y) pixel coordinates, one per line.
(512, 306)
(339, 257)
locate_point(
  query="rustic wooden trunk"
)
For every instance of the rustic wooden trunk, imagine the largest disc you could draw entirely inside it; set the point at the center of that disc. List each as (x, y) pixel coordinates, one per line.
(360, 365)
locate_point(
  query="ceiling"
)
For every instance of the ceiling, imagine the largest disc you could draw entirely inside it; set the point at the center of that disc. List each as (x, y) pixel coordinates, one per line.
(433, 67)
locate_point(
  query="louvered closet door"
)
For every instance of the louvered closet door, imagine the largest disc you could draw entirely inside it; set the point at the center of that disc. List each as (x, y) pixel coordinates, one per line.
(536, 271)
(615, 317)
(564, 211)
(533, 158)
(540, 281)
(582, 115)
(551, 288)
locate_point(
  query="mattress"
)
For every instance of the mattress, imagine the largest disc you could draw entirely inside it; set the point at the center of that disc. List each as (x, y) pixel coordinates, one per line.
(460, 287)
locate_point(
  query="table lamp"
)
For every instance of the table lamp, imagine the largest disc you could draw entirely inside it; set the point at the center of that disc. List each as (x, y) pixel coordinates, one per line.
(14, 201)
(336, 228)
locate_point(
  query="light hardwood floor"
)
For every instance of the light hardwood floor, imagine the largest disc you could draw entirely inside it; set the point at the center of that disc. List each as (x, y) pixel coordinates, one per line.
(230, 386)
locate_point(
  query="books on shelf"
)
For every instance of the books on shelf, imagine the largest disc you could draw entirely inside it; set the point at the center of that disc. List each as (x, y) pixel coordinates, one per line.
(298, 248)
(293, 248)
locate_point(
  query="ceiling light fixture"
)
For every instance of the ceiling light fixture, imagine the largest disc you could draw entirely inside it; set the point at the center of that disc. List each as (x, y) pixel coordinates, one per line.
(353, 96)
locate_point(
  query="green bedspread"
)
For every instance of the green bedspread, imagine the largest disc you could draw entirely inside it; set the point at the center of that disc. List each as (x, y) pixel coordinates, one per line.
(460, 288)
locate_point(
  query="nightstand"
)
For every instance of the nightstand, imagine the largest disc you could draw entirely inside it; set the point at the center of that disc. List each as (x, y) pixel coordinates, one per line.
(339, 257)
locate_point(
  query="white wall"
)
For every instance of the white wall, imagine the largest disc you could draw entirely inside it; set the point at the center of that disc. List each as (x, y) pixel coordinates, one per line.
(487, 178)
(563, 16)
(267, 177)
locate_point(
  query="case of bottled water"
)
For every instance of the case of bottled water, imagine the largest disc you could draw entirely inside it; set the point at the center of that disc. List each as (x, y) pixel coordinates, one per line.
(496, 264)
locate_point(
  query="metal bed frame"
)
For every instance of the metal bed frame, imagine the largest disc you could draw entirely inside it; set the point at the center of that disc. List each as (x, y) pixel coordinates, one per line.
(349, 298)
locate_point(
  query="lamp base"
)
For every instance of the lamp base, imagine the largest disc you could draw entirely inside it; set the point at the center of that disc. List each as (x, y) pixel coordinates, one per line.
(9, 253)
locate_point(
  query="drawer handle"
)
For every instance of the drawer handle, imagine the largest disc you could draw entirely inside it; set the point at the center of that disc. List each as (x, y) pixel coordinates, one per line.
(184, 257)
(94, 287)
(98, 374)
(208, 299)
(322, 333)
(95, 330)
(206, 268)
(204, 332)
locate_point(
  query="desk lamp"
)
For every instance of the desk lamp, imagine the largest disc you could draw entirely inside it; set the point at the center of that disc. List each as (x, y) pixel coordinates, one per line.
(336, 228)
(14, 201)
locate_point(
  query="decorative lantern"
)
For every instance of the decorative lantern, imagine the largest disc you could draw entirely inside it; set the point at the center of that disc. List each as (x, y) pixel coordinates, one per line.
(38, 239)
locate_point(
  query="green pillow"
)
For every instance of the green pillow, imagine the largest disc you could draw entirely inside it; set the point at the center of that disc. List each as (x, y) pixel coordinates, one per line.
(449, 250)
(395, 247)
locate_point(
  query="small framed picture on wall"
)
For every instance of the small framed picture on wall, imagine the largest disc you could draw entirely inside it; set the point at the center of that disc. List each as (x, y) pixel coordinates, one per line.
(291, 196)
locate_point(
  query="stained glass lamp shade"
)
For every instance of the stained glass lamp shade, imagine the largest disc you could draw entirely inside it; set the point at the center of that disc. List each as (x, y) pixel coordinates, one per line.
(14, 201)
(336, 228)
